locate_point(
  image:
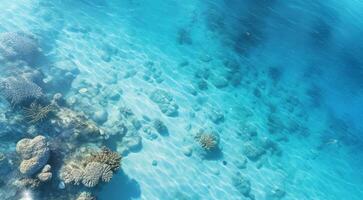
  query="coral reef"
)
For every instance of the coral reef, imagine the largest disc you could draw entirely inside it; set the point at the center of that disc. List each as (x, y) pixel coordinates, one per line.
(94, 171)
(90, 170)
(34, 153)
(18, 46)
(68, 119)
(85, 196)
(72, 173)
(106, 156)
(208, 141)
(37, 112)
(165, 102)
(18, 90)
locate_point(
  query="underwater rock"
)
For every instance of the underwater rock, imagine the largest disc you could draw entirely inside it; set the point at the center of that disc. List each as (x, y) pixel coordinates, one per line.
(154, 163)
(216, 116)
(253, 151)
(100, 116)
(184, 37)
(34, 153)
(45, 175)
(85, 196)
(18, 90)
(61, 185)
(165, 102)
(276, 193)
(275, 124)
(202, 85)
(160, 127)
(133, 143)
(149, 133)
(219, 81)
(115, 96)
(187, 151)
(242, 184)
(18, 46)
(241, 164)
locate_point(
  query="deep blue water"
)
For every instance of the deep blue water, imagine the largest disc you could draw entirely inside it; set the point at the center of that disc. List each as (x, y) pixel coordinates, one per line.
(277, 86)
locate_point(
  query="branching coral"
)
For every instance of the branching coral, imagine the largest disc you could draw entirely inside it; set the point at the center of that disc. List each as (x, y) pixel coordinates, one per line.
(95, 171)
(18, 90)
(72, 173)
(27, 182)
(106, 156)
(37, 112)
(207, 141)
(92, 169)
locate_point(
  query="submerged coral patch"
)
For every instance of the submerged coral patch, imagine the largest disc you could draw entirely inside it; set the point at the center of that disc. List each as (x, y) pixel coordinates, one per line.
(14, 45)
(165, 102)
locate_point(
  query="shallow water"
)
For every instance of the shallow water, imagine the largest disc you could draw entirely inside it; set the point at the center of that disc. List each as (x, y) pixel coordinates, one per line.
(280, 84)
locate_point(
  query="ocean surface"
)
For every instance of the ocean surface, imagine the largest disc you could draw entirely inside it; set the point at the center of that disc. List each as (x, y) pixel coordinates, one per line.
(204, 100)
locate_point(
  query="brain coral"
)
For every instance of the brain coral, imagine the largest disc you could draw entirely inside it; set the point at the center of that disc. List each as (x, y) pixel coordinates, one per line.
(18, 46)
(18, 90)
(34, 153)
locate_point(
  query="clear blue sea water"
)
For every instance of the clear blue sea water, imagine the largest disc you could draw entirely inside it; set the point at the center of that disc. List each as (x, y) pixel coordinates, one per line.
(279, 83)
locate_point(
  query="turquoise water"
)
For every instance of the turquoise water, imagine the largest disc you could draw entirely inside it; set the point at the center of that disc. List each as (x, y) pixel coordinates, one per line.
(277, 84)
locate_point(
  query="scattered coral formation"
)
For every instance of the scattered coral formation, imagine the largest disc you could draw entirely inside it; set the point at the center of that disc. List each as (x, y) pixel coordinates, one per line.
(34, 153)
(76, 121)
(165, 102)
